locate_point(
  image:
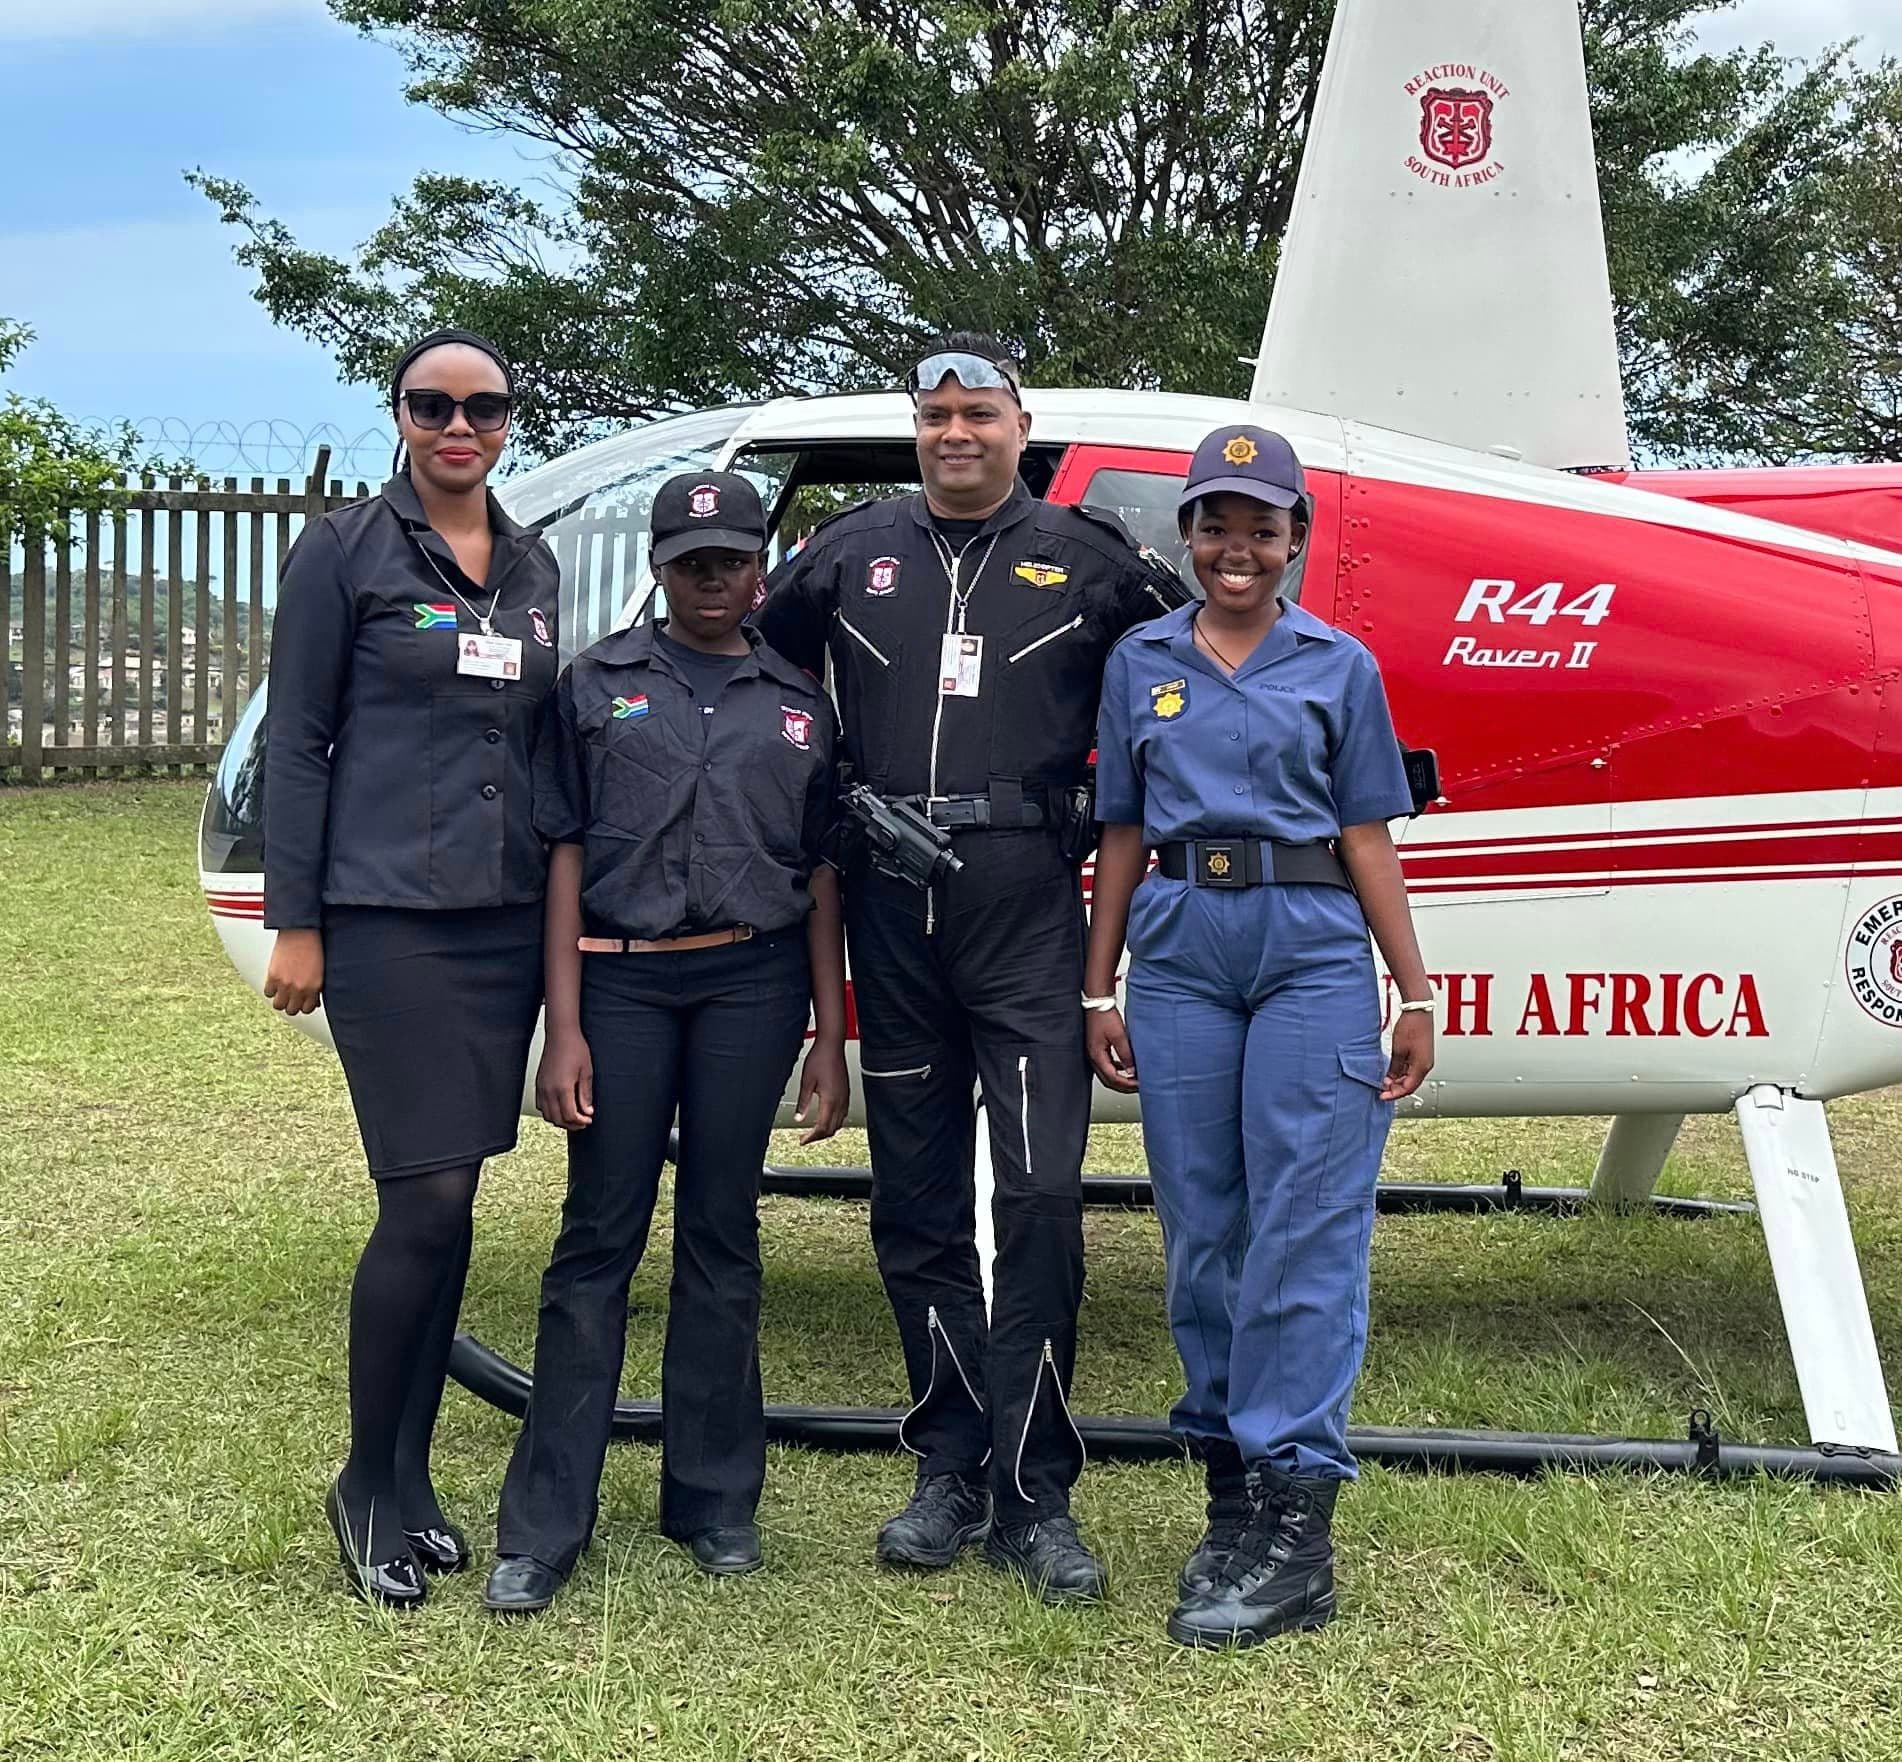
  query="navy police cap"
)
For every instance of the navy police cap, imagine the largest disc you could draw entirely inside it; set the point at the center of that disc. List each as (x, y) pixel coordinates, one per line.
(1245, 461)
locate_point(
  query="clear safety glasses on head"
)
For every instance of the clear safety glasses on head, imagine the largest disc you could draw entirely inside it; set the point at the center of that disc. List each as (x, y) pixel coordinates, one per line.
(972, 372)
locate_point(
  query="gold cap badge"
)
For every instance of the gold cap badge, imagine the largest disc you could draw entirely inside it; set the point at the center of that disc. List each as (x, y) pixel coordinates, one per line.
(1240, 451)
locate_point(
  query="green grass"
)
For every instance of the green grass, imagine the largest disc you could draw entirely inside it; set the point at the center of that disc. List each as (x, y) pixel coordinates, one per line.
(181, 1202)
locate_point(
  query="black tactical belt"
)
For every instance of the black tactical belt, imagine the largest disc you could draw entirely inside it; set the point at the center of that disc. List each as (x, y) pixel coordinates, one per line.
(1251, 862)
(961, 813)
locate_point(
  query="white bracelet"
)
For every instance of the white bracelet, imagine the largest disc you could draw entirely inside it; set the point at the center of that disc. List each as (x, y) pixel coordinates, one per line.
(1424, 1006)
(1098, 1003)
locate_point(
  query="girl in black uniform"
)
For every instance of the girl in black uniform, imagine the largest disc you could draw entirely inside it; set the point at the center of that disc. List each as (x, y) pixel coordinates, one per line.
(685, 777)
(413, 648)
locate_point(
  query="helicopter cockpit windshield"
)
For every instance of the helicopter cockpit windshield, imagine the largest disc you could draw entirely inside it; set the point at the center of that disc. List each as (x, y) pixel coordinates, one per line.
(593, 507)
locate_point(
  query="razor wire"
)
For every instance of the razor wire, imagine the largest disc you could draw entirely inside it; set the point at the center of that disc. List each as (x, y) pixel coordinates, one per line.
(266, 447)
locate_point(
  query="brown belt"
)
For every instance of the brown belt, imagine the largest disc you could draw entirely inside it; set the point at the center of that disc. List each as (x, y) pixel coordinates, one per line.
(667, 945)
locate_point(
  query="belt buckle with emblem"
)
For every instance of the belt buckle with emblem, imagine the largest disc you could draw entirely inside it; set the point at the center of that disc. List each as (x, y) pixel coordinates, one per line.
(1219, 864)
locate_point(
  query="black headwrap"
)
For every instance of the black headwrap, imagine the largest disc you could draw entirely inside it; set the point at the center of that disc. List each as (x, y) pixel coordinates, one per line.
(437, 339)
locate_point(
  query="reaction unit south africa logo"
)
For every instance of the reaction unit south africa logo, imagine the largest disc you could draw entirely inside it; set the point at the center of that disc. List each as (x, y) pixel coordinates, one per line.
(1458, 105)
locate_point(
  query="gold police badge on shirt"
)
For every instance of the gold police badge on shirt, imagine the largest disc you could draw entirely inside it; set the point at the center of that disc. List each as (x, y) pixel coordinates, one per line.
(1169, 699)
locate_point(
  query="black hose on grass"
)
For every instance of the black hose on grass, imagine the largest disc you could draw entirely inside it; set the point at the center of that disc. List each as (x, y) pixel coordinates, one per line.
(494, 1379)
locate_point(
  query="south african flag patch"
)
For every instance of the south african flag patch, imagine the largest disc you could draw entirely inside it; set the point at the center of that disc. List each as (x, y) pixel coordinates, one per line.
(435, 617)
(625, 707)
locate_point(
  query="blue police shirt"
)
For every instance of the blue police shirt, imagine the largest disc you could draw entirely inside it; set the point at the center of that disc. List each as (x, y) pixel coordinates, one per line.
(1298, 744)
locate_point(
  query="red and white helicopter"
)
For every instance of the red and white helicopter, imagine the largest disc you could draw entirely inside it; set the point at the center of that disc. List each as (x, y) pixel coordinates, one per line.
(1665, 875)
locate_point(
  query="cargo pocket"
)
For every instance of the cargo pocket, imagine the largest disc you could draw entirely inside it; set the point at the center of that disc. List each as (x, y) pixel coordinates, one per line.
(1357, 1125)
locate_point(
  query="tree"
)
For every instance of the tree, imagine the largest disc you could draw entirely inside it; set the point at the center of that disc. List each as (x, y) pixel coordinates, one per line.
(52, 467)
(749, 199)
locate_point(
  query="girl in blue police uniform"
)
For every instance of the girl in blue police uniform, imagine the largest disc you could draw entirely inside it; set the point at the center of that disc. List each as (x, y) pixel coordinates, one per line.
(413, 647)
(1249, 746)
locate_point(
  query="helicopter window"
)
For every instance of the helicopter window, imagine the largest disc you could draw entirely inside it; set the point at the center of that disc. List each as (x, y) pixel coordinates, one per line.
(231, 829)
(1145, 502)
(594, 506)
(825, 480)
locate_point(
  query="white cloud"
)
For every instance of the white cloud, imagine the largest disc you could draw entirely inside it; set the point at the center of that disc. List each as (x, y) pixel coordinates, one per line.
(66, 20)
(1802, 27)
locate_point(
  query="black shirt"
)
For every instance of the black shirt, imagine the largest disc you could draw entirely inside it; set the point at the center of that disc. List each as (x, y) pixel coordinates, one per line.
(390, 779)
(957, 533)
(1049, 589)
(704, 673)
(694, 811)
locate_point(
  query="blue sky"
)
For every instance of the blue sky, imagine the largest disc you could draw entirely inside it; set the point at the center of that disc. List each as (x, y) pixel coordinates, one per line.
(126, 274)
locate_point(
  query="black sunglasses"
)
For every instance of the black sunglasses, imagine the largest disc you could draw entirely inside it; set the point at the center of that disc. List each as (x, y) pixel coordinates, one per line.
(486, 411)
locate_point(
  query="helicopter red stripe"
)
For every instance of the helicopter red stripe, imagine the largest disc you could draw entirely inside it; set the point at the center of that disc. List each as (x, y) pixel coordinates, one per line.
(1599, 882)
(1636, 858)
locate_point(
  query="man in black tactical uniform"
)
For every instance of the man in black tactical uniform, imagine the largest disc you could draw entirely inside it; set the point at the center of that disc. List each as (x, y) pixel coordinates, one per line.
(968, 627)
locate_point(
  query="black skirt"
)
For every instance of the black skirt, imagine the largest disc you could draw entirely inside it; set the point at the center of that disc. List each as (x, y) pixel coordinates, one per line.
(433, 1014)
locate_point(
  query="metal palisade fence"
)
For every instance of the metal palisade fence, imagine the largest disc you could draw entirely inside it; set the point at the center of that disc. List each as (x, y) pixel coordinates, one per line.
(138, 644)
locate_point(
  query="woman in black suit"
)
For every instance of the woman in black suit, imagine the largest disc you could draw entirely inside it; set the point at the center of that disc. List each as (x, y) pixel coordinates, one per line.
(414, 645)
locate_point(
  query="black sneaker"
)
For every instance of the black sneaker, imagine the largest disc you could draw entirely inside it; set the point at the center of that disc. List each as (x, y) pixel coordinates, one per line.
(1229, 1509)
(1051, 1558)
(1280, 1575)
(947, 1514)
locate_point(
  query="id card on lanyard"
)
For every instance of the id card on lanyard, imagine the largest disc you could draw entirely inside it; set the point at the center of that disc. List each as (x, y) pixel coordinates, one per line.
(960, 664)
(489, 657)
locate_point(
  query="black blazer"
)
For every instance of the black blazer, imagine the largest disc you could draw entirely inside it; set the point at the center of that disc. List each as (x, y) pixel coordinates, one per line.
(389, 778)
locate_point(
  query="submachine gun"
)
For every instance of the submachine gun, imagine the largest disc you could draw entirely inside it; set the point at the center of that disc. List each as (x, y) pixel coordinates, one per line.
(901, 842)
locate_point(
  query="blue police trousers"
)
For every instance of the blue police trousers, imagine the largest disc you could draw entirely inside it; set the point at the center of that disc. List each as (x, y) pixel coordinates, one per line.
(1253, 1017)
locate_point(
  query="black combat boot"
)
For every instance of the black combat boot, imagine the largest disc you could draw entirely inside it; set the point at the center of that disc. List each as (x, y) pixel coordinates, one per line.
(1051, 1558)
(947, 1514)
(1229, 1511)
(1281, 1573)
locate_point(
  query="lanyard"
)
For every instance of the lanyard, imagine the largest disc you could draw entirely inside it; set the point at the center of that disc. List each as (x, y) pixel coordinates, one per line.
(483, 619)
(954, 569)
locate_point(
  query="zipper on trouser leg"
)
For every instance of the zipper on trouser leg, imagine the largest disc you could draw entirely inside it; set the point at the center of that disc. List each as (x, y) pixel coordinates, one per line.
(1023, 1113)
(935, 1329)
(1048, 1359)
(931, 909)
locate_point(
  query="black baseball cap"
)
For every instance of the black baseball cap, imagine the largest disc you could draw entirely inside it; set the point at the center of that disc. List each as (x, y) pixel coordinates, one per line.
(1245, 461)
(706, 511)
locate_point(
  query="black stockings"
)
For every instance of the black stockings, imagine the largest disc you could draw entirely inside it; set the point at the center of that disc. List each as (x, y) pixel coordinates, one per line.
(403, 1310)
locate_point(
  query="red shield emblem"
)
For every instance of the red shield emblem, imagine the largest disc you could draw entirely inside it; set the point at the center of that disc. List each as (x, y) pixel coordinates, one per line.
(540, 625)
(1456, 126)
(704, 502)
(797, 727)
(882, 577)
(1895, 961)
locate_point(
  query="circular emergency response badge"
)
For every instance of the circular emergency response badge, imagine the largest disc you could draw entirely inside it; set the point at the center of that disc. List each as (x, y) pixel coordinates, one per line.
(1873, 961)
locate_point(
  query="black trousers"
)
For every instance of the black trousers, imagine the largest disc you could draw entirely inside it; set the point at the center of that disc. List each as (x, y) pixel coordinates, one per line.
(712, 1032)
(985, 993)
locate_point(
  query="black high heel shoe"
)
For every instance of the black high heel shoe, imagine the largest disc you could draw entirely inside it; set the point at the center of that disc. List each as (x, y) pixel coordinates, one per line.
(396, 1584)
(440, 1548)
